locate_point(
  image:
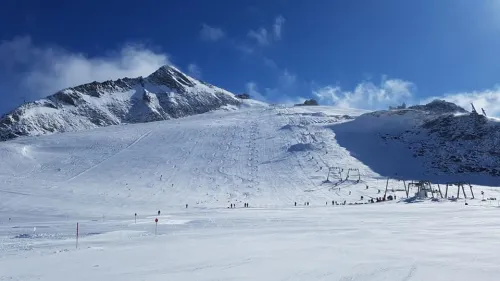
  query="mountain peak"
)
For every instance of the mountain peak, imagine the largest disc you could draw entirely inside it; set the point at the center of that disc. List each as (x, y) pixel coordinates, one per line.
(440, 107)
(164, 94)
(172, 77)
(164, 70)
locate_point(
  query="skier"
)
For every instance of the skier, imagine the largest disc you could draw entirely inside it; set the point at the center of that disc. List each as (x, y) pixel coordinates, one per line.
(295, 204)
(186, 206)
(158, 212)
(333, 202)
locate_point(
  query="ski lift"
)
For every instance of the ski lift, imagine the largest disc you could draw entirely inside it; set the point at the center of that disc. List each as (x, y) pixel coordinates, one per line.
(355, 172)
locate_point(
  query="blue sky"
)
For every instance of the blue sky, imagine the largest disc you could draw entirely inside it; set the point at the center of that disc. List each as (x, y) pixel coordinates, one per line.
(367, 54)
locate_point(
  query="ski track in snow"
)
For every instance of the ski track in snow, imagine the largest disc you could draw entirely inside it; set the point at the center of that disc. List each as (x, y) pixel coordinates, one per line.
(96, 165)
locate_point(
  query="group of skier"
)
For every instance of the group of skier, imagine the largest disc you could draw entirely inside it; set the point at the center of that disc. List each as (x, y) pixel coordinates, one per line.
(372, 200)
(232, 206)
(305, 204)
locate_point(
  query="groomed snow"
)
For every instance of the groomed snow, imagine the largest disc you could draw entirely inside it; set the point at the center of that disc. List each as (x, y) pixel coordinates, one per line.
(425, 241)
(270, 157)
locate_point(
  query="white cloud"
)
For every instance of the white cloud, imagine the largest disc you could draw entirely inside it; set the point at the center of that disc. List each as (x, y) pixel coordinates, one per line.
(194, 70)
(245, 49)
(254, 92)
(367, 95)
(488, 99)
(272, 95)
(261, 36)
(278, 25)
(37, 71)
(264, 37)
(287, 79)
(210, 33)
(270, 63)
(284, 91)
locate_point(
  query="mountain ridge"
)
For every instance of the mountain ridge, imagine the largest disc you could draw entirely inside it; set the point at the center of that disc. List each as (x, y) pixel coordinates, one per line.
(166, 93)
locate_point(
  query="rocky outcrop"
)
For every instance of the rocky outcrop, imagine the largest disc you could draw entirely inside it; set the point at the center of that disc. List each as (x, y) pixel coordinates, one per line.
(451, 140)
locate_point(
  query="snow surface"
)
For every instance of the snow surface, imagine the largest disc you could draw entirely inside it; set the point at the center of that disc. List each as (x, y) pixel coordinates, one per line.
(269, 157)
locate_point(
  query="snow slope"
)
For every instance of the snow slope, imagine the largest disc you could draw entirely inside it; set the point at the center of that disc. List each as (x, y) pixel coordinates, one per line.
(269, 157)
(213, 159)
(390, 242)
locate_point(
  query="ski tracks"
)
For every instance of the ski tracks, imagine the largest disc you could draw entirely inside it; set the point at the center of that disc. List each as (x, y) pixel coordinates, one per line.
(140, 138)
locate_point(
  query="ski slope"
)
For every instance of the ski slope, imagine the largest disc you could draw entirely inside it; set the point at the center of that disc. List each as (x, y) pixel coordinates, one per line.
(261, 155)
(267, 156)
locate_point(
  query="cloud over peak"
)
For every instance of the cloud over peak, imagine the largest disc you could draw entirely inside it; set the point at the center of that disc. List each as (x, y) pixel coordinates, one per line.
(32, 71)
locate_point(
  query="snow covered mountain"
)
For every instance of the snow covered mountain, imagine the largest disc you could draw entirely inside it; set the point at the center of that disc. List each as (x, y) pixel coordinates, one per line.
(438, 141)
(110, 182)
(166, 93)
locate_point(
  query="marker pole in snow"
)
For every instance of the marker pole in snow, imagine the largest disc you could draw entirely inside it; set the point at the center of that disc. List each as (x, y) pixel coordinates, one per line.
(77, 235)
(135, 218)
(156, 226)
